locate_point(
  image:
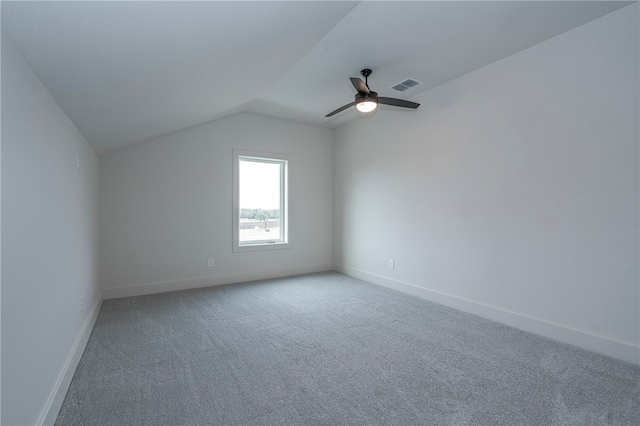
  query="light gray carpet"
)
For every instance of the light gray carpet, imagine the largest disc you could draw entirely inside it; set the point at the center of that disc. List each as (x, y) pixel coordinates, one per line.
(329, 349)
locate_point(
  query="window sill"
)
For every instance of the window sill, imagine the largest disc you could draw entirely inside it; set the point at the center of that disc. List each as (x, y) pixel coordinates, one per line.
(261, 247)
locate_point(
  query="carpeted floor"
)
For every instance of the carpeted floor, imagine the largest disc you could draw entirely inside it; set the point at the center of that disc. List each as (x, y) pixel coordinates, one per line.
(329, 349)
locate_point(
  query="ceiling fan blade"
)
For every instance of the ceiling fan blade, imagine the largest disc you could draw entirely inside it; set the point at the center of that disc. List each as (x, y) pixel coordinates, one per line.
(359, 85)
(342, 108)
(398, 102)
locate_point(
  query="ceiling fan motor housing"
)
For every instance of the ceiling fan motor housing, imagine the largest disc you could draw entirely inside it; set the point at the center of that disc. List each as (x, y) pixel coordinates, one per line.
(366, 102)
(363, 97)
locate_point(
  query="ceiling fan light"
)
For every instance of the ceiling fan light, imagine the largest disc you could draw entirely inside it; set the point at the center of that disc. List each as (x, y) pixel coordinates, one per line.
(366, 106)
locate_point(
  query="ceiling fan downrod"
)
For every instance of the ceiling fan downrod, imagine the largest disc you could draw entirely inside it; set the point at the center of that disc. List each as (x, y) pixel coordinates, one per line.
(366, 73)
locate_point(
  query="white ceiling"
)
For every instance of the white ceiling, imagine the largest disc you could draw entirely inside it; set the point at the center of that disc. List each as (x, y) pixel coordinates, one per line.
(128, 72)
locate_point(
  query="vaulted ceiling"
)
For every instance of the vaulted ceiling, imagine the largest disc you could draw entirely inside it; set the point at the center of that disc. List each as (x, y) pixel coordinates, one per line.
(128, 72)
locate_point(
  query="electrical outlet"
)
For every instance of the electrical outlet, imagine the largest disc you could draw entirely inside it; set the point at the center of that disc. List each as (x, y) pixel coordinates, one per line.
(392, 264)
(210, 263)
(81, 304)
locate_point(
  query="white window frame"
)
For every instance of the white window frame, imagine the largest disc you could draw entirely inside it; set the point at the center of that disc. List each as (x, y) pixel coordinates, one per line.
(285, 209)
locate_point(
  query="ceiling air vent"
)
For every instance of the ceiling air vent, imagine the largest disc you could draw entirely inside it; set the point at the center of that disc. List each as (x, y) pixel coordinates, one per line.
(405, 85)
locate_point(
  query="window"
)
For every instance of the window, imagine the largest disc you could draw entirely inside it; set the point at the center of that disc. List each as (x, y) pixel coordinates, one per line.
(260, 201)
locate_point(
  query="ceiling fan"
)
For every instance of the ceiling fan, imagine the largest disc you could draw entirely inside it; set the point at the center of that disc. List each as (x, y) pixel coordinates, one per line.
(367, 101)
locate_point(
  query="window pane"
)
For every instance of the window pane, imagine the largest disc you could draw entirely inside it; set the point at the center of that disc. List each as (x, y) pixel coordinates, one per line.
(260, 200)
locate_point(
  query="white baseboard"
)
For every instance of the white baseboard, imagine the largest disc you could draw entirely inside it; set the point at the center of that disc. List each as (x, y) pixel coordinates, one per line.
(162, 287)
(616, 349)
(56, 398)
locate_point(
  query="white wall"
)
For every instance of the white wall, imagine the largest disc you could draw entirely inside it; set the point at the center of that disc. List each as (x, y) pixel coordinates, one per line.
(49, 245)
(512, 192)
(166, 207)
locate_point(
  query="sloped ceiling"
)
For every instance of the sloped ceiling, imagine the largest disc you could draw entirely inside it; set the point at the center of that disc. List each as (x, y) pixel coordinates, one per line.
(129, 72)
